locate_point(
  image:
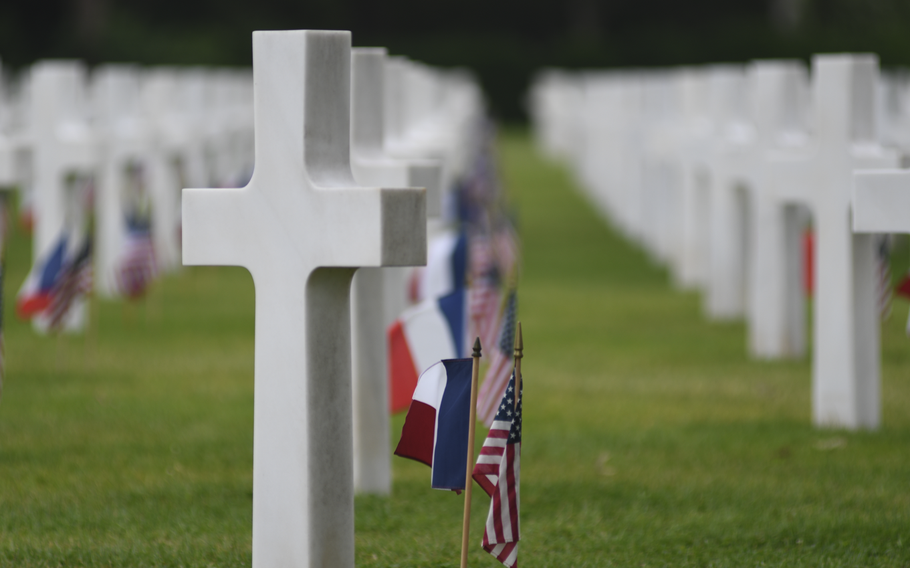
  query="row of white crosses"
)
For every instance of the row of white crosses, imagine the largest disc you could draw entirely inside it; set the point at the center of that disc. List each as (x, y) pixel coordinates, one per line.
(411, 126)
(715, 170)
(333, 193)
(161, 128)
(309, 217)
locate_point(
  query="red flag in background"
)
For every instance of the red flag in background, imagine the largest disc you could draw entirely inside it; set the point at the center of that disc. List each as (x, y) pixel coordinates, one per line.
(903, 289)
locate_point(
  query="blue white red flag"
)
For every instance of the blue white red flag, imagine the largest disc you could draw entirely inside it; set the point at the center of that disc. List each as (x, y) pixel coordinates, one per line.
(36, 293)
(435, 430)
(498, 471)
(431, 331)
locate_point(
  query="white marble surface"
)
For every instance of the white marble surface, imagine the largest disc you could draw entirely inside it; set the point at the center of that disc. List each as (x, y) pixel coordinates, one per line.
(301, 227)
(374, 302)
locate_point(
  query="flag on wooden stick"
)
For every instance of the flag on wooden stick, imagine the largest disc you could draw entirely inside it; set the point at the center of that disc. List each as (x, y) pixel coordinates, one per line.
(436, 428)
(498, 472)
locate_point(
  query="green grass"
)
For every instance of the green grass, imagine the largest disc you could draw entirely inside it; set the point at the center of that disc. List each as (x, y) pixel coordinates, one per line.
(650, 438)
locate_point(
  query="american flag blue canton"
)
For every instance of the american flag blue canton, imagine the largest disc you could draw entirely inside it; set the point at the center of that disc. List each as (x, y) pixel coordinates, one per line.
(509, 413)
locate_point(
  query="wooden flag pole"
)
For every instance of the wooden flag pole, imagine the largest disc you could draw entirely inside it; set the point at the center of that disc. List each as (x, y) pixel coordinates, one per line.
(519, 353)
(468, 481)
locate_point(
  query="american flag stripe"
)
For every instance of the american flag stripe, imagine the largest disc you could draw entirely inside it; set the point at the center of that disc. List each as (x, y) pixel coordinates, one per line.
(481, 256)
(501, 532)
(484, 304)
(497, 471)
(507, 252)
(493, 385)
(501, 365)
(138, 266)
(883, 273)
(74, 282)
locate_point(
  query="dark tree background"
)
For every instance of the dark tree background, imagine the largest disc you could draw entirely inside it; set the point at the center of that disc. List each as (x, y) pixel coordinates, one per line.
(502, 41)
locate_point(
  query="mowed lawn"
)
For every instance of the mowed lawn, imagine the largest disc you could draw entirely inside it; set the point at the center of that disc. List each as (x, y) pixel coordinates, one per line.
(650, 438)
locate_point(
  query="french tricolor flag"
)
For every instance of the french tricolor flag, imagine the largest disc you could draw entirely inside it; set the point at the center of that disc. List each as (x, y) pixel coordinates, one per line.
(431, 331)
(36, 293)
(435, 430)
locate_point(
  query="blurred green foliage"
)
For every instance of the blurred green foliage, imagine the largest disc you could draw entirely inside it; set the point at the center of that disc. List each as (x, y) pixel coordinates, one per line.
(504, 42)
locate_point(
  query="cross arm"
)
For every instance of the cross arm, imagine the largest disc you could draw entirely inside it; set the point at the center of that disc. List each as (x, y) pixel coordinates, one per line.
(881, 201)
(404, 227)
(219, 227)
(364, 227)
(790, 175)
(428, 174)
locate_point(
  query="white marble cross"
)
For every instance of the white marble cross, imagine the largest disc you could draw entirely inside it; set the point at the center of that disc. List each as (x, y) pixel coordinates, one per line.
(374, 299)
(7, 141)
(125, 177)
(432, 114)
(881, 202)
(61, 140)
(845, 364)
(729, 181)
(301, 227)
(175, 157)
(62, 144)
(776, 316)
(696, 142)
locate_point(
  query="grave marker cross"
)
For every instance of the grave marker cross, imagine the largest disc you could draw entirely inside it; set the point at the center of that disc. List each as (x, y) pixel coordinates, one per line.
(776, 297)
(301, 227)
(881, 203)
(845, 371)
(377, 293)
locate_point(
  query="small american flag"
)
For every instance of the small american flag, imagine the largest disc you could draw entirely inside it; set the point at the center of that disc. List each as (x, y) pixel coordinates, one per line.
(138, 266)
(498, 472)
(483, 306)
(75, 281)
(500, 364)
(484, 298)
(505, 244)
(884, 295)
